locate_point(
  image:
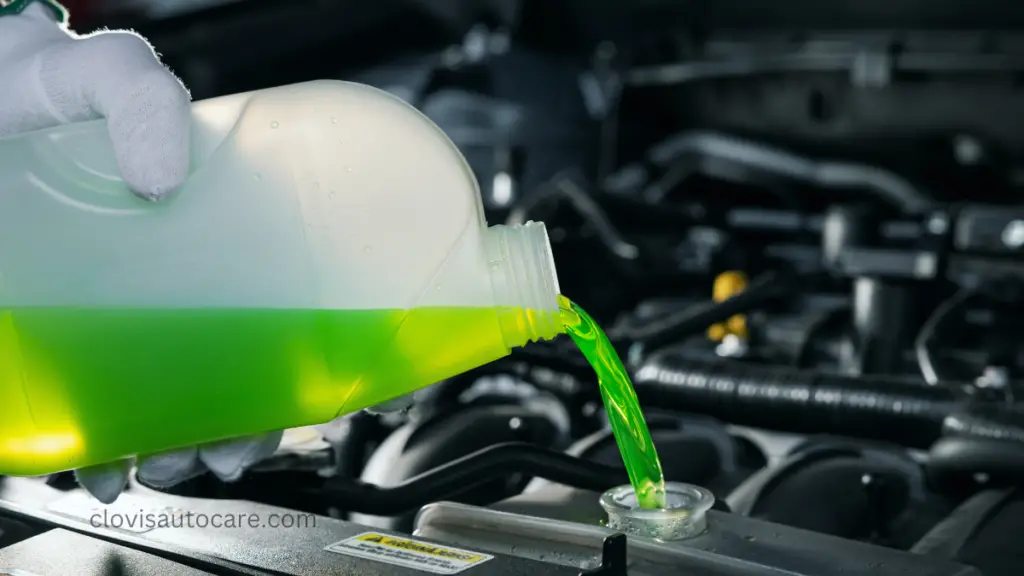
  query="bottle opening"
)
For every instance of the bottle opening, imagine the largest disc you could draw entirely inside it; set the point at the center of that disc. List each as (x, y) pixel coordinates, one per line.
(524, 281)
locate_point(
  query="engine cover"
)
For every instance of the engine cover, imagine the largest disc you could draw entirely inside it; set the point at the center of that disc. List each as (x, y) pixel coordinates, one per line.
(150, 532)
(732, 544)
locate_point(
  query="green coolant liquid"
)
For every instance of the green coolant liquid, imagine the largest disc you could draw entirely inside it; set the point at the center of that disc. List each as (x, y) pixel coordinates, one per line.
(88, 386)
(80, 387)
(620, 401)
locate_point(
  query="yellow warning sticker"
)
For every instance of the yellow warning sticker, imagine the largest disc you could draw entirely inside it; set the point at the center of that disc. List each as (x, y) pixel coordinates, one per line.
(416, 554)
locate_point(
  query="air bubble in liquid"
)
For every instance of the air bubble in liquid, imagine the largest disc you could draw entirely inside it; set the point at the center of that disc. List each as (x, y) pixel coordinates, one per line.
(334, 119)
(348, 169)
(275, 124)
(367, 248)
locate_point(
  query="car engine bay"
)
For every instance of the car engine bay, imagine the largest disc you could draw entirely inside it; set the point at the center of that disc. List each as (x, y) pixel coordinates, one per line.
(805, 238)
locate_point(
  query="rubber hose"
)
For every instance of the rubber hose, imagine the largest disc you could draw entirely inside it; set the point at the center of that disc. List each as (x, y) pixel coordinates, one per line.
(987, 421)
(455, 477)
(696, 319)
(757, 157)
(876, 407)
(963, 457)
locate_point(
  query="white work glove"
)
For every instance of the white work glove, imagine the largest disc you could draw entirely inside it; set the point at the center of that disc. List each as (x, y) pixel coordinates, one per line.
(49, 76)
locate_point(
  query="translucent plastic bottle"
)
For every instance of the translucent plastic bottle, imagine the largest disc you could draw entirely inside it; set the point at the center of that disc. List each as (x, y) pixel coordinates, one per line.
(328, 253)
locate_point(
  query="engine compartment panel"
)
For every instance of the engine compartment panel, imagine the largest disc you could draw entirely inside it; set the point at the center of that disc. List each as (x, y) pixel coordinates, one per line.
(852, 403)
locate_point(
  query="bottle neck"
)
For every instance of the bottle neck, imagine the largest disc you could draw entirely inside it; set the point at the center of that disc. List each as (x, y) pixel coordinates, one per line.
(524, 282)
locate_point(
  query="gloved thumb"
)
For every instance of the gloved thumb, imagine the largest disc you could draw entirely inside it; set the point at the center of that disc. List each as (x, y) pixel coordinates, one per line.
(51, 76)
(117, 75)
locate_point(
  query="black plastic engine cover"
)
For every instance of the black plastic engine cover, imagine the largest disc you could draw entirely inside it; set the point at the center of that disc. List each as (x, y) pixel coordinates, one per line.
(229, 537)
(59, 553)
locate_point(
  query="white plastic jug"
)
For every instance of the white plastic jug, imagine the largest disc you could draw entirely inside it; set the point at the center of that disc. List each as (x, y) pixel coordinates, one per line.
(328, 253)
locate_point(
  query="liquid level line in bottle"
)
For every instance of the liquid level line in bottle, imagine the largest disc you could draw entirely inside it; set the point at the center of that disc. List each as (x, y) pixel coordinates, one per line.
(621, 404)
(85, 386)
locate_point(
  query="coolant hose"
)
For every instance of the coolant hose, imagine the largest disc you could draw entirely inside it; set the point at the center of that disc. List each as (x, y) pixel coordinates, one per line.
(993, 421)
(696, 319)
(876, 407)
(454, 478)
(981, 439)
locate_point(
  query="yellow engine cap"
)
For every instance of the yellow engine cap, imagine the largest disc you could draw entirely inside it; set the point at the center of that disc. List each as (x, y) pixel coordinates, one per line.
(726, 285)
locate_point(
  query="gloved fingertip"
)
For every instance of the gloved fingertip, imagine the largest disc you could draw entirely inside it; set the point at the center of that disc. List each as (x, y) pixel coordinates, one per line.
(228, 460)
(170, 468)
(151, 133)
(154, 193)
(105, 482)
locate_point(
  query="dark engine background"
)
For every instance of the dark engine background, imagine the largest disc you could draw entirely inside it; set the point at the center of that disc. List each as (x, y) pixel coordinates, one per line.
(800, 223)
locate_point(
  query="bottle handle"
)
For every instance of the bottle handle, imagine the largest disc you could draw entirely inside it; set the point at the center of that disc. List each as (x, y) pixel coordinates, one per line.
(76, 164)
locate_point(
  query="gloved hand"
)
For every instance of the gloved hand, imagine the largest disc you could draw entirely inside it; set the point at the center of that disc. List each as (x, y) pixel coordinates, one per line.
(50, 76)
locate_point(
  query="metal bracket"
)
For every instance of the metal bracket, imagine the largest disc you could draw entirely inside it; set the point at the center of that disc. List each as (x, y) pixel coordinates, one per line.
(613, 558)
